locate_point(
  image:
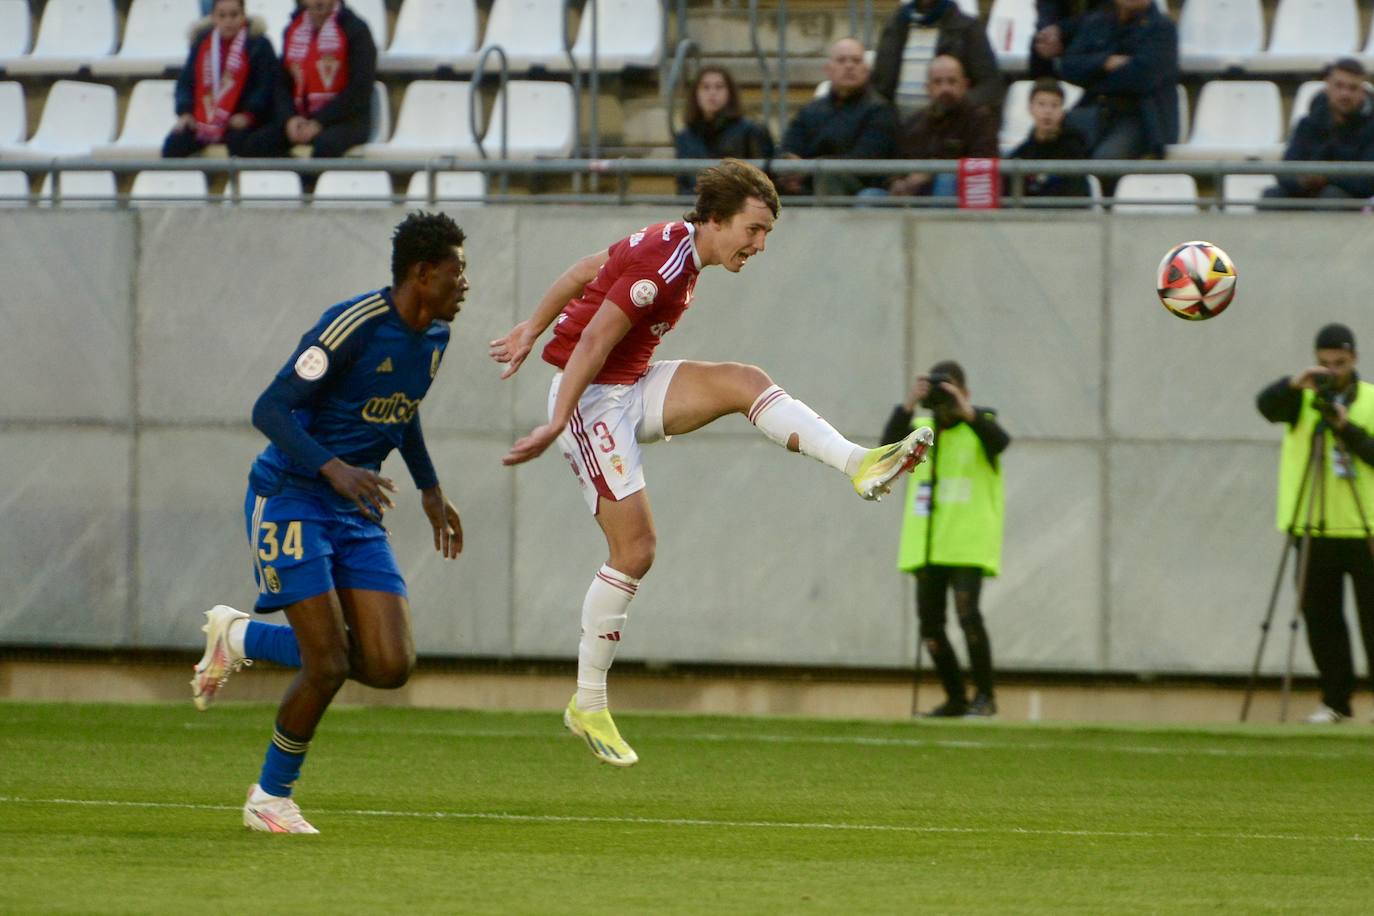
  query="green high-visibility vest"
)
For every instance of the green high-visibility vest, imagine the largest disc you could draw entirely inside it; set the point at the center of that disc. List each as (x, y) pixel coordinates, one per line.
(965, 490)
(1337, 515)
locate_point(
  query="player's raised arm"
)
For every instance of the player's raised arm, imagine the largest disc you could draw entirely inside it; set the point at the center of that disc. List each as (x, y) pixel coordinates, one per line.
(515, 346)
(607, 328)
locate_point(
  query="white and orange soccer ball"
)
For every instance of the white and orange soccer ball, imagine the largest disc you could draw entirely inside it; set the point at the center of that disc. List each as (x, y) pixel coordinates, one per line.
(1196, 280)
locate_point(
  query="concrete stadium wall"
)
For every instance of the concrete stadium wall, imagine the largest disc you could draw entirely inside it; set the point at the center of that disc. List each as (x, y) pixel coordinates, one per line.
(1139, 485)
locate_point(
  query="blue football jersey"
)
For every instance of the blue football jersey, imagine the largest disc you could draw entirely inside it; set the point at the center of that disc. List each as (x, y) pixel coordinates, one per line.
(355, 383)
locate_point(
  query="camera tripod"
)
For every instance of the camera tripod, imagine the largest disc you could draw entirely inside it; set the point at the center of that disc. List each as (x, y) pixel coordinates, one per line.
(1314, 473)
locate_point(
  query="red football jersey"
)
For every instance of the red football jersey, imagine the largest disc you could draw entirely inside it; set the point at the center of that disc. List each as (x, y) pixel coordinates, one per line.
(650, 276)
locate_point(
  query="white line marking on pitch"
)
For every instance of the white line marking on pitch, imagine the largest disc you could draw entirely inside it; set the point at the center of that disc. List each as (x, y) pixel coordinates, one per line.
(702, 822)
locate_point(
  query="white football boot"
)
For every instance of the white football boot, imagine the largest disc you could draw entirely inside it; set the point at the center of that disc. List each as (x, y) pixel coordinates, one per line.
(219, 660)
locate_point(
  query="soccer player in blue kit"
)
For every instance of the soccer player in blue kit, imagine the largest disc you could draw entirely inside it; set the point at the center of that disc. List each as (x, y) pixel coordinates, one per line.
(349, 394)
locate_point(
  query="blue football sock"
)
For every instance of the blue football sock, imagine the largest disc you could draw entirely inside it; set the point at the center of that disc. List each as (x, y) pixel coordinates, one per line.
(282, 766)
(273, 643)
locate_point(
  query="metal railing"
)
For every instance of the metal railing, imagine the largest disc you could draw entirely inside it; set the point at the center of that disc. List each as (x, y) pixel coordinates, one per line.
(677, 73)
(865, 32)
(475, 107)
(622, 171)
(765, 72)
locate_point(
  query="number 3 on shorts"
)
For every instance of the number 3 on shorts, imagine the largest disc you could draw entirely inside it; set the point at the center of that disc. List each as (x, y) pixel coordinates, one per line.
(290, 545)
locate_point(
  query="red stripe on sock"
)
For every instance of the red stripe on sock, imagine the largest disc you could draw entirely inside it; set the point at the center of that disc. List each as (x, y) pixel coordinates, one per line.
(625, 587)
(767, 402)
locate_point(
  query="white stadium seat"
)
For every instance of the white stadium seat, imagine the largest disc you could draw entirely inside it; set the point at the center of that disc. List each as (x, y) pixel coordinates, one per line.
(155, 39)
(1016, 119)
(15, 29)
(1307, 35)
(970, 7)
(276, 14)
(373, 12)
(14, 189)
(353, 189)
(1011, 25)
(540, 123)
(629, 34)
(81, 189)
(1245, 190)
(73, 34)
(162, 189)
(433, 121)
(1235, 119)
(529, 31)
(1216, 35)
(381, 114)
(448, 186)
(76, 117)
(1182, 114)
(1302, 101)
(14, 118)
(148, 118)
(430, 34)
(270, 188)
(1146, 193)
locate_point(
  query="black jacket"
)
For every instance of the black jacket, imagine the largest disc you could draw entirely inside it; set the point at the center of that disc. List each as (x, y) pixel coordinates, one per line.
(1281, 403)
(1319, 139)
(1070, 144)
(257, 98)
(354, 102)
(1148, 84)
(740, 138)
(862, 126)
(960, 36)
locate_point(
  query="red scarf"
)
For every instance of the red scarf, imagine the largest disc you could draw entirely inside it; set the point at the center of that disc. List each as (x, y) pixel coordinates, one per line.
(318, 61)
(220, 76)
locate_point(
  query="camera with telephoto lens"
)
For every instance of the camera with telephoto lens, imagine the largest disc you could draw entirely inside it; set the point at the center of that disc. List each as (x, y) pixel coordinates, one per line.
(937, 396)
(1324, 394)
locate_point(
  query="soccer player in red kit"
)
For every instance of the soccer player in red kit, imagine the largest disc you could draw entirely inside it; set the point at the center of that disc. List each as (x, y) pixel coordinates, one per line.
(612, 309)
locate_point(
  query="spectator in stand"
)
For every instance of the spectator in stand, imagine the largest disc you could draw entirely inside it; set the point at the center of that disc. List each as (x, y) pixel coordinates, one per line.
(851, 121)
(1051, 138)
(225, 92)
(948, 128)
(1056, 21)
(1338, 128)
(1126, 59)
(917, 33)
(324, 86)
(716, 128)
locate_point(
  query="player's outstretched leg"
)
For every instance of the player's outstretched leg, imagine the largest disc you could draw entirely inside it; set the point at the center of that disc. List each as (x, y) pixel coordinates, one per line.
(880, 466)
(232, 641)
(602, 737)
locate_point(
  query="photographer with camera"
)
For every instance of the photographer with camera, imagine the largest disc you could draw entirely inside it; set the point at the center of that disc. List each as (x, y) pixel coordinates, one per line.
(952, 532)
(1326, 492)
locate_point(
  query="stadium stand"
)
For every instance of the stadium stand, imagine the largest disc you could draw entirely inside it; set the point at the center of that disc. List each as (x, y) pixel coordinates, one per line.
(448, 186)
(1011, 25)
(77, 117)
(15, 30)
(79, 189)
(353, 189)
(1149, 193)
(280, 188)
(1219, 35)
(14, 118)
(433, 121)
(629, 34)
(540, 122)
(373, 12)
(154, 39)
(1245, 190)
(71, 35)
(14, 189)
(148, 118)
(430, 34)
(1302, 101)
(530, 32)
(1308, 34)
(1235, 119)
(164, 188)
(381, 114)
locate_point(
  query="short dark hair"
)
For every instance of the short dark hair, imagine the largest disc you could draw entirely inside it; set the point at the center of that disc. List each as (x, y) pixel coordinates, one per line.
(731, 109)
(422, 238)
(723, 189)
(1346, 65)
(1047, 84)
(952, 369)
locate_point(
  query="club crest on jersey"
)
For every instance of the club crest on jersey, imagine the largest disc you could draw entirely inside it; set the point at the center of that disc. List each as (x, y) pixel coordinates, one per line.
(643, 293)
(312, 364)
(271, 579)
(618, 464)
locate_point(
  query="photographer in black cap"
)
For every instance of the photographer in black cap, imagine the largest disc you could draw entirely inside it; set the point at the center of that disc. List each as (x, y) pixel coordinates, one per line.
(1326, 492)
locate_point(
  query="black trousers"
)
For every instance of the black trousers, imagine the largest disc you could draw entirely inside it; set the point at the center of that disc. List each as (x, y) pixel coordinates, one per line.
(330, 143)
(932, 584)
(182, 143)
(1323, 607)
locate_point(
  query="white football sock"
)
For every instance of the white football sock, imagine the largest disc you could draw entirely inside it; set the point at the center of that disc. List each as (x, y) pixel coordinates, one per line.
(238, 628)
(604, 611)
(781, 416)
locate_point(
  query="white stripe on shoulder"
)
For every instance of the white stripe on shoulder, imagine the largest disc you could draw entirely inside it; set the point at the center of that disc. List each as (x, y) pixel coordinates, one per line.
(673, 266)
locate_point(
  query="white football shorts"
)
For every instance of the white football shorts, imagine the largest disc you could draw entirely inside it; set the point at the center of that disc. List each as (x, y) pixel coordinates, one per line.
(601, 442)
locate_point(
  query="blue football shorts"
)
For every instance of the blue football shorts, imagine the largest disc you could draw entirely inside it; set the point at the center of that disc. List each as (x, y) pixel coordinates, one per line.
(304, 544)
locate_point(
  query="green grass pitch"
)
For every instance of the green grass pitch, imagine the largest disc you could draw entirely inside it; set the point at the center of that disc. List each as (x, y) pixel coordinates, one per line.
(135, 809)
